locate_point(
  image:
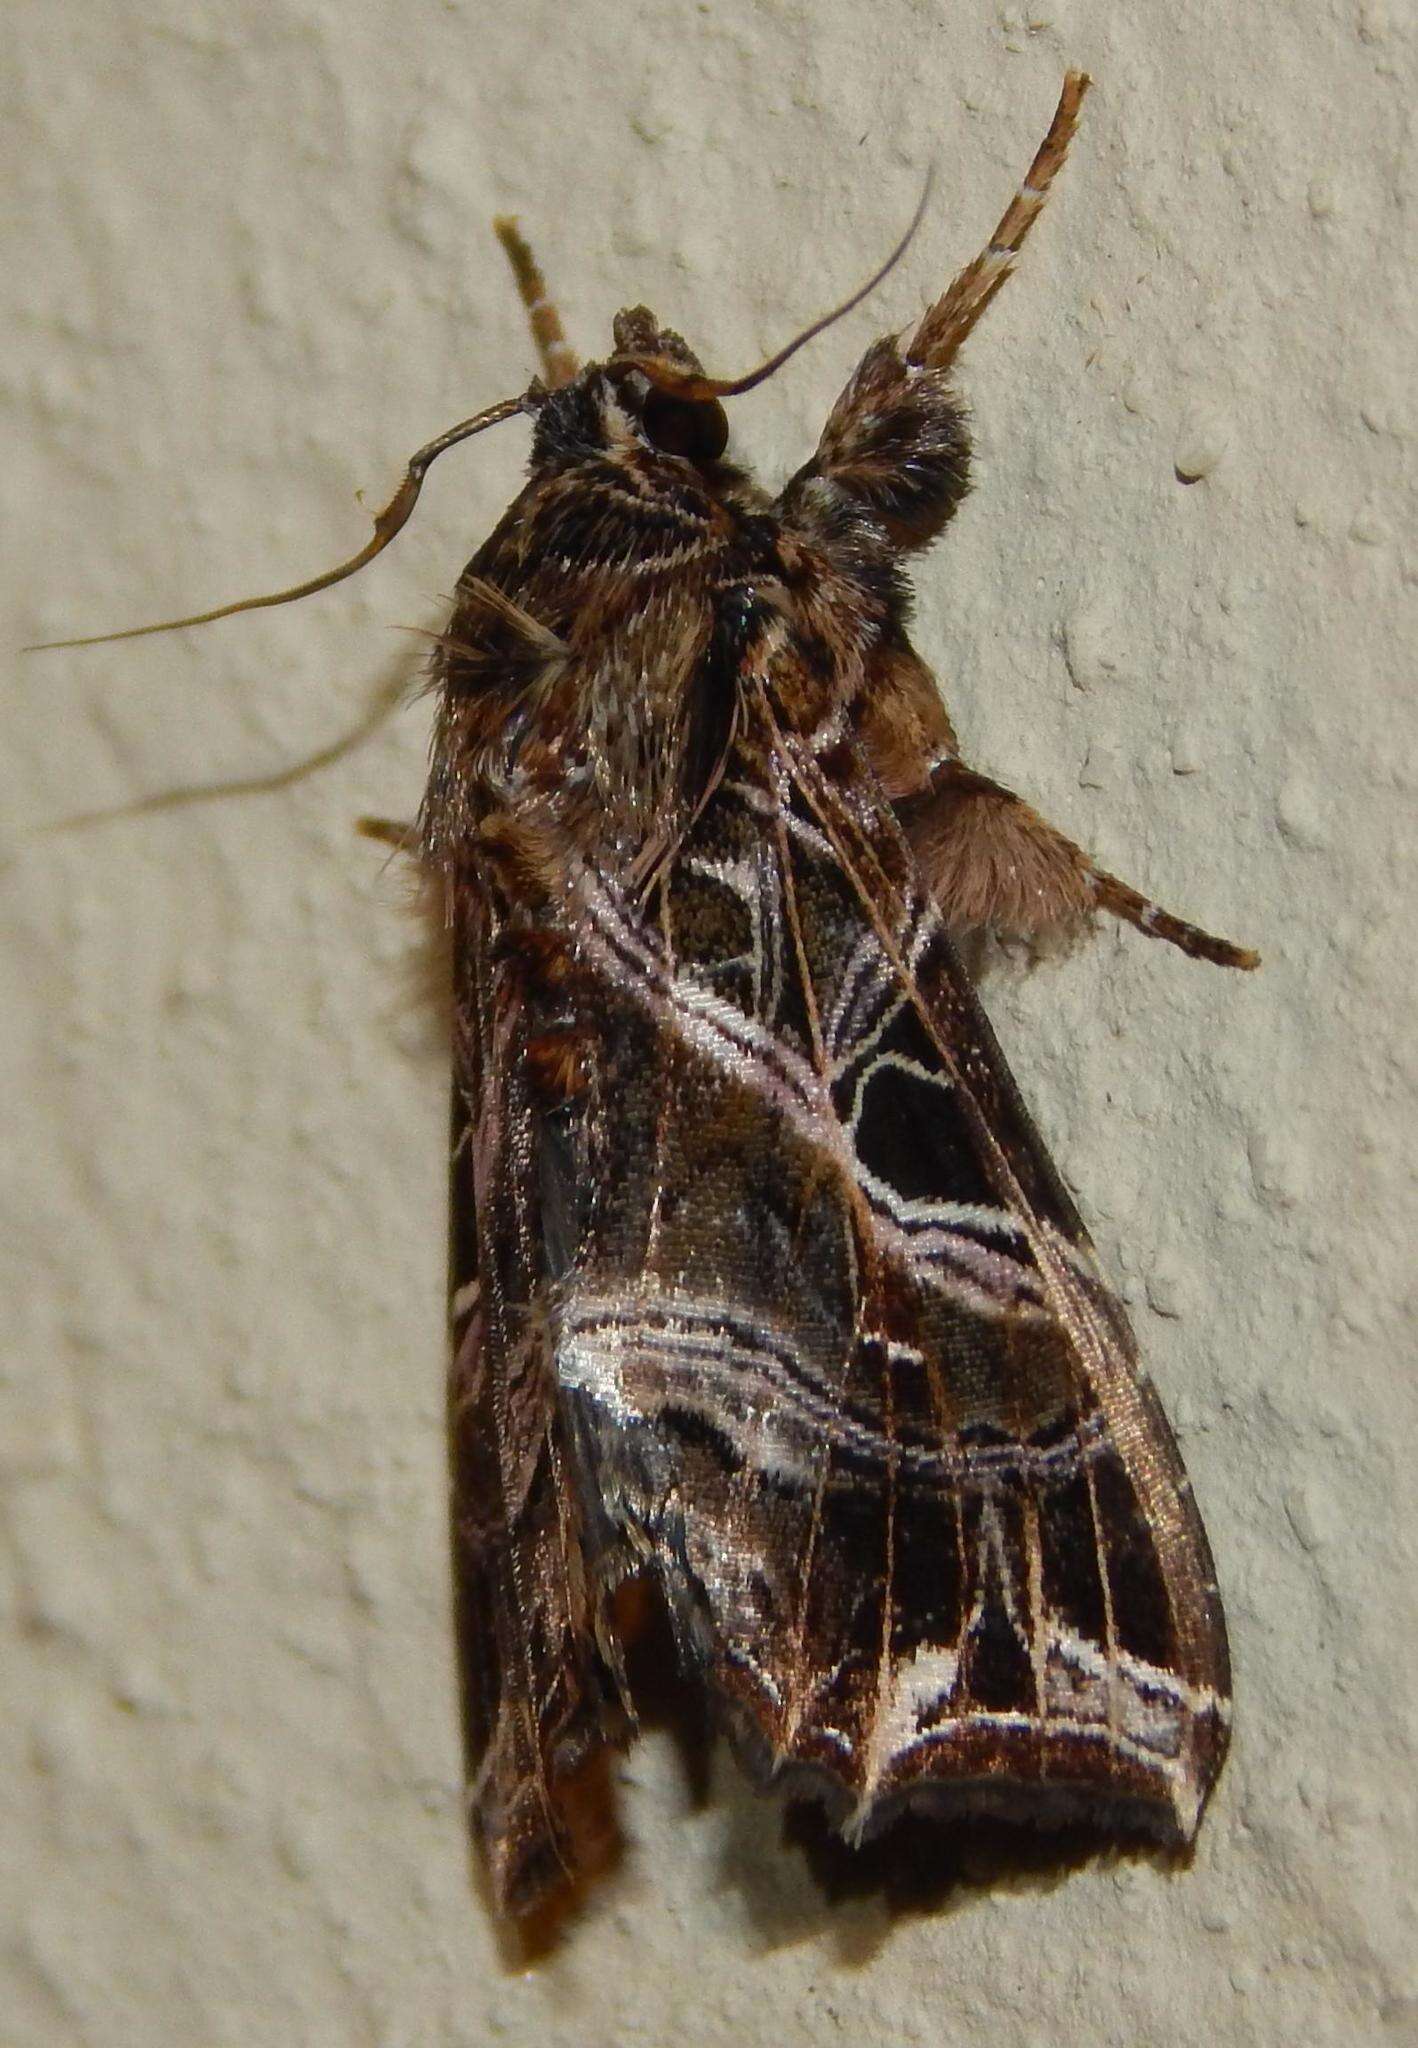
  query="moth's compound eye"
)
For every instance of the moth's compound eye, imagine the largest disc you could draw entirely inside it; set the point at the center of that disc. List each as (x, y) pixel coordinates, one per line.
(696, 428)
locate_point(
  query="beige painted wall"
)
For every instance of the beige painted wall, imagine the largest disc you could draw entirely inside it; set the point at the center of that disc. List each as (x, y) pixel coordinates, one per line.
(252, 271)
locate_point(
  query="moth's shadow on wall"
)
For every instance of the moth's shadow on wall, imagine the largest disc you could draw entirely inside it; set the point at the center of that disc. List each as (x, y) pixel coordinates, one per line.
(917, 1868)
(820, 1885)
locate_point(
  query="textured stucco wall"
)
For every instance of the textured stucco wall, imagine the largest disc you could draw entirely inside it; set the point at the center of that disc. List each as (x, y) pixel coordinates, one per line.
(252, 271)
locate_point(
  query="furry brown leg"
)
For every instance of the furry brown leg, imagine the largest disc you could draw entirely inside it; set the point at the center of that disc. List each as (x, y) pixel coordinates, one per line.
(992, 863)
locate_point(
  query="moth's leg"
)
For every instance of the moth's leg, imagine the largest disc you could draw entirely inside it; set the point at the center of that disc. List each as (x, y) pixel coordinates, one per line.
(559, 362)
(991, 862)
(402, 835)
(1121, 901)
(901, 720)
(895, 444)
(947, 323)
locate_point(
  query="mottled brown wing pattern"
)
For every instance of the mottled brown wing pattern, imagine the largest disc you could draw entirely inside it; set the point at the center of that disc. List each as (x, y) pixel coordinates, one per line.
(844, 1358)
(535, 1695)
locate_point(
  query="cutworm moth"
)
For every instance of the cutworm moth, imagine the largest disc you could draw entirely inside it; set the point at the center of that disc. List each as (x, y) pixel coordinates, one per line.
(766, 1299)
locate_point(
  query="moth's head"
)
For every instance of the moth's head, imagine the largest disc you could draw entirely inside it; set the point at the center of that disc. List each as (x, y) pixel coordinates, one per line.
(650, 395)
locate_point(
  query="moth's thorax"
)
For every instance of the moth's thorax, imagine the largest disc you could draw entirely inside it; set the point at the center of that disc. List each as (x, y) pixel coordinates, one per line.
(633, 570)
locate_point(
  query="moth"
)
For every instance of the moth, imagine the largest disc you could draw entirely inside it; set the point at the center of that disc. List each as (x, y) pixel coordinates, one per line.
(767, 1300)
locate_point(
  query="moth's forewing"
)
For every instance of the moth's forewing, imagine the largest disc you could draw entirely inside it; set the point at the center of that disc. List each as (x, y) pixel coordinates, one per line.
(847, 1364)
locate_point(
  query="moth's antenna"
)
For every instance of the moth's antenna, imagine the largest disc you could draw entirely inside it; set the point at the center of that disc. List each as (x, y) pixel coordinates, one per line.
(694, 386)
(386, 525)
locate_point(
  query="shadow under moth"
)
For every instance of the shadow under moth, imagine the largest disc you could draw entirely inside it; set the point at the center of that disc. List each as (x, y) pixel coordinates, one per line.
(766, 1298)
